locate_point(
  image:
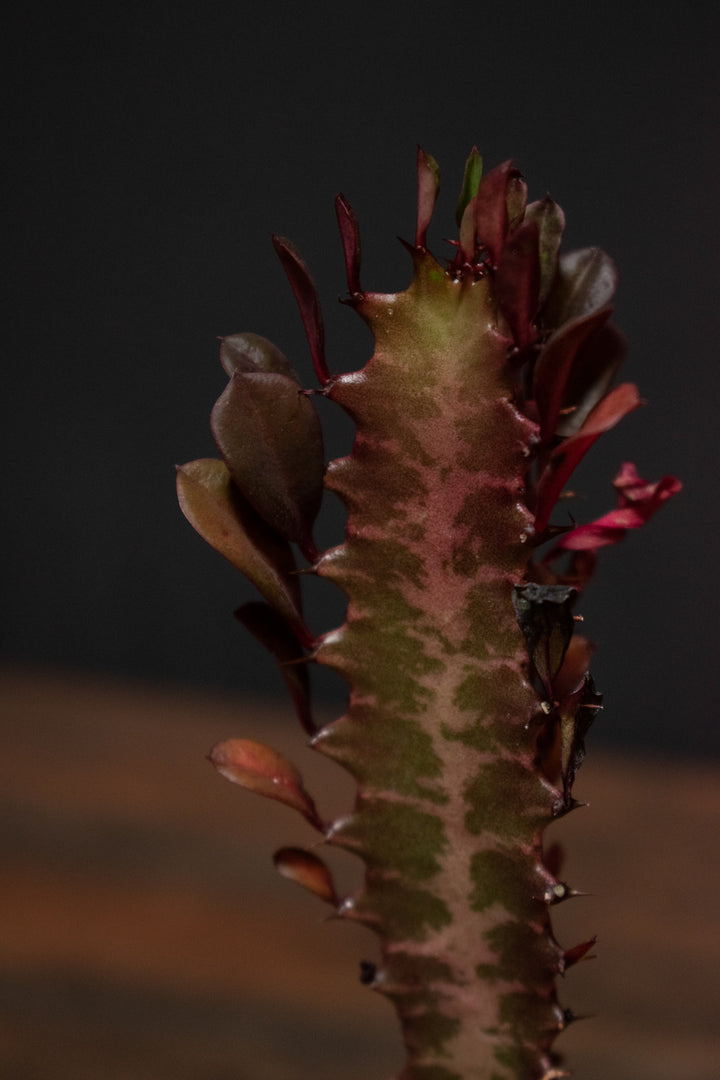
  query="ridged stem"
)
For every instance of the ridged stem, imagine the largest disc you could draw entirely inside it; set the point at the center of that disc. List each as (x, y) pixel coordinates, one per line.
(442, 722)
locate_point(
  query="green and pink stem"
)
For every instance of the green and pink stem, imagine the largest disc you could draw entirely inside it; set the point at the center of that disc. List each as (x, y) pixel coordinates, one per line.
(469, 692)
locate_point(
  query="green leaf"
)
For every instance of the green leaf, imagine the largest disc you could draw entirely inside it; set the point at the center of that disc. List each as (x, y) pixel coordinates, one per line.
(261, 769)
(217, 511)
(550, 221)
(269, 434)
(308, 871)
(251, 352)
(471, 183)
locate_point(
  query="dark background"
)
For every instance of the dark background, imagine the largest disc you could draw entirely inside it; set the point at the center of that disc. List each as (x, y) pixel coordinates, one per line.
(153, 150)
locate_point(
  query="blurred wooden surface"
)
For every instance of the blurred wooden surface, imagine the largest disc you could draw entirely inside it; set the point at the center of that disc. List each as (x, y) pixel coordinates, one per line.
(144, 934)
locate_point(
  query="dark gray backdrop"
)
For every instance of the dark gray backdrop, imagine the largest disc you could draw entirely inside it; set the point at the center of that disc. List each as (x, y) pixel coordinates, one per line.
(154, 149)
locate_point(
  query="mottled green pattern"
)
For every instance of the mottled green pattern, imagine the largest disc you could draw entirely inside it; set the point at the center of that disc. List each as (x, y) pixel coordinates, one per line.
(439, 729)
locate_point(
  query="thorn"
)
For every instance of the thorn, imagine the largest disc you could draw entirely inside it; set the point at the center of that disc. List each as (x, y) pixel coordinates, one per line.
(368, 970)
(410, 247)
(578, 953)
(569, 1017)
(309, 659)
(559, 893)
(565, 806)
(556, 893)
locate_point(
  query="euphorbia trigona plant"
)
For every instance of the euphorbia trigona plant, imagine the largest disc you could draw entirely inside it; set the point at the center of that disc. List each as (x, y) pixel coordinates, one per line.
(469, 692)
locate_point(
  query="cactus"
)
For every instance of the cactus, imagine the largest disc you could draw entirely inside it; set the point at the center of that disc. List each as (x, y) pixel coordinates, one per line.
(469, 691)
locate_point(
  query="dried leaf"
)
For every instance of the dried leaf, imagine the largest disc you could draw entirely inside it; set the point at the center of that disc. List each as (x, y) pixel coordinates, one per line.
(261, 769)
(571, 676)
(544, 614)
(308, 871)
(217, 511)
(269, 434)
(575, 721)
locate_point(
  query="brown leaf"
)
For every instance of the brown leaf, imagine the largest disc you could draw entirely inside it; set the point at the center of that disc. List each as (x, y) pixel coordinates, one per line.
(269, 434)
(214, 508)
(308, 871)
(251, 352)
(261, 769)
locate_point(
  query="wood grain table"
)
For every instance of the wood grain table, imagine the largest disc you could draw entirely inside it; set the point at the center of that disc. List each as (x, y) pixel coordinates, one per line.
(144, 934)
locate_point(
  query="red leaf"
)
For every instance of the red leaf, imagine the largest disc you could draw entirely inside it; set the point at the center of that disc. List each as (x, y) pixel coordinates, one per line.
(578, 952)
(428, 177)
(591, 375)
(517, 281)
(638, 500)
(565, 458)
(554, 364)
(491, 210)
(350, 236)
(307, 301)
